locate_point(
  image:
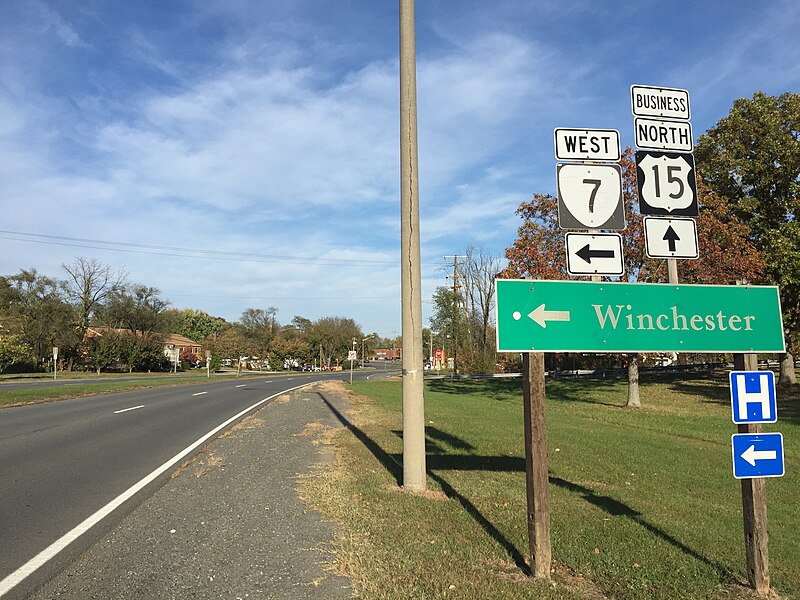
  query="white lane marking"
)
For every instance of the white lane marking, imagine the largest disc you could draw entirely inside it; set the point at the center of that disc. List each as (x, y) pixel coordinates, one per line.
(241, 385)
(14, 579)
(116, 412)
(199, 393)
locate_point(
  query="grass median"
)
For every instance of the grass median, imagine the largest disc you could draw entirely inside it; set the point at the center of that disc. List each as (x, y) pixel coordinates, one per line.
(643, 502)
(77, 385)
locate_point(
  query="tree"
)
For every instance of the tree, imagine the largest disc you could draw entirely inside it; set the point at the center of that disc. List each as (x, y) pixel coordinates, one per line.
(194, 324)
(12, 350)
(538, 251)
(104, 350)
(294, 349)
(333, 337)
(232, 343)
(35, 309)
(137, 308)
(89, 283)
(726, 252)
(143, 353)
(752, 157)
(449, 320)
(478, 272)
(260, 325)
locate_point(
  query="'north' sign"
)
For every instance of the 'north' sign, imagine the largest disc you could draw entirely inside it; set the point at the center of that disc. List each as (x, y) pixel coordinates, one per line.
(658, 134)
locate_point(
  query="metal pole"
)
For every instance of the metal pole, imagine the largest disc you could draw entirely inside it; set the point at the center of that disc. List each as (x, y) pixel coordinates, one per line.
(413, 402)
(672, 270)
(351, 361)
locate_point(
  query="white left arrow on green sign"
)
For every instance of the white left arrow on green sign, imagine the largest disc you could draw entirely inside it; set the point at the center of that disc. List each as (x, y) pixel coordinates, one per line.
(541, 316)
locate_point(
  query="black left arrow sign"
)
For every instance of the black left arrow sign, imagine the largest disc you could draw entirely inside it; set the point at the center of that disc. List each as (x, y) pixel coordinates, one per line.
(671, 237)
(587, 254)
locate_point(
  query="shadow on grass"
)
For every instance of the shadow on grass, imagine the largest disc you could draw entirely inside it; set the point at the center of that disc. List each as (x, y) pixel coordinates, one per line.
(438, 460)
(617, 508)
(393, 464)
(501, 390)
(716, 390)
(510, 390)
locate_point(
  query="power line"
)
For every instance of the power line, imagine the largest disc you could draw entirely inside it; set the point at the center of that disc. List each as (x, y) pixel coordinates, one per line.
(178, 252)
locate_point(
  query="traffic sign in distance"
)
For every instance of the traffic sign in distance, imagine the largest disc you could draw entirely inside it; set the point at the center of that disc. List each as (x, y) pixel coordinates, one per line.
(753, 398)
(587, 144)
(660, 102)
(670, 238)
(594, 254)
(590, 196)
(578, 316)
(659, 134)
(757, 455)
(666, 184)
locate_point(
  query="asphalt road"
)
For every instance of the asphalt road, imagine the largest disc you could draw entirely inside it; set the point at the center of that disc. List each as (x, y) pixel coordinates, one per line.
(63, 461)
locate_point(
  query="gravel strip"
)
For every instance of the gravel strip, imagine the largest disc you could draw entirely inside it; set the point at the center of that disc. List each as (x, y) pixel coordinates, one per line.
(228, 524)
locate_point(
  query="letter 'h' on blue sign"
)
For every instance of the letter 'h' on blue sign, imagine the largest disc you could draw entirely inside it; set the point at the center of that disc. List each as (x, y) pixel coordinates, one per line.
(757, 455)
(753, 397)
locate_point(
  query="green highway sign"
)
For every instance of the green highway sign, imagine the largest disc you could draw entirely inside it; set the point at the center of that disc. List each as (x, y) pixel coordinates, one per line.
(579, 316)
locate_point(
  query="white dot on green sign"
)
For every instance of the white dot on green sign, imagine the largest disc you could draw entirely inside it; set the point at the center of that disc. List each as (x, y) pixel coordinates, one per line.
(517, 315)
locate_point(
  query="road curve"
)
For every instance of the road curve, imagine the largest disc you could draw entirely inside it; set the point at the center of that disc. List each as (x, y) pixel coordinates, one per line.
(62, 462)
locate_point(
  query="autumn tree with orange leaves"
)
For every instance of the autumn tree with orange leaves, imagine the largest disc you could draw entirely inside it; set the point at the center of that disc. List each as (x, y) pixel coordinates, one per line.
(726, 253)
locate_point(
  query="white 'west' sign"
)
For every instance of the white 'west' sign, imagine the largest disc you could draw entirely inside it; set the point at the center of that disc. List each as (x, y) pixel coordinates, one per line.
(587, 144)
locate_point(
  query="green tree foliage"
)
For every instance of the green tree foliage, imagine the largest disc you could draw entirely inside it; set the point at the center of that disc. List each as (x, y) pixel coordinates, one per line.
(105, 350)
(752, 157)
(261, 327)
(13, 350)
(292, 349)
(726, 252)
(194, 324)
(332, 337)
(137, 308)
(448, 319)
(34, 307)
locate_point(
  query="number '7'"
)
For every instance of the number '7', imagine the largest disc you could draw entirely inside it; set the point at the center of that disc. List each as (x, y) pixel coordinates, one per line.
(596, 184)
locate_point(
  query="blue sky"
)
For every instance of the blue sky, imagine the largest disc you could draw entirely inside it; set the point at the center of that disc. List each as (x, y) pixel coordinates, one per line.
(238, 153)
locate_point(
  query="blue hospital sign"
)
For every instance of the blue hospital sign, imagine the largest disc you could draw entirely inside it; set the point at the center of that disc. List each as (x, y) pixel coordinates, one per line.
(753, 397)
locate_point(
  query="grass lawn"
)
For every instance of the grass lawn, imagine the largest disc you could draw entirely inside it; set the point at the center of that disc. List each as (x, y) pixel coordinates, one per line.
(88, 384)
(643, 502)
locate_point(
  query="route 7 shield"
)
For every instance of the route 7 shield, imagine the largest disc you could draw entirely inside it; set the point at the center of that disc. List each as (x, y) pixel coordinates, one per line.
(590, 196)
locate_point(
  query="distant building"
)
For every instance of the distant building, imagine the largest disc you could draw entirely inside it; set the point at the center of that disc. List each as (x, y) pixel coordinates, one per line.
(175, 344)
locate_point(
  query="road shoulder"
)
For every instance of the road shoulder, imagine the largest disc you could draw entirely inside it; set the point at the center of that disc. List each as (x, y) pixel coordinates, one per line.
(229, 523)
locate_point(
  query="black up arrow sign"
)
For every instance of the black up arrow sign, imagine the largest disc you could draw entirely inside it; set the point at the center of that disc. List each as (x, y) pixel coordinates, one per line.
(671, 237)
(587, 254)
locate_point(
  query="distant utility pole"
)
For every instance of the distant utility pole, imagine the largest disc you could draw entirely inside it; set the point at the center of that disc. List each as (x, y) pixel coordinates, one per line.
(455, 303)
(413, 402)
(455, 275)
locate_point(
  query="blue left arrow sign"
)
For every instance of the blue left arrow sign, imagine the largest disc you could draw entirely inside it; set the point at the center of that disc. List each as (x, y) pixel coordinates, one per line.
(757, 455)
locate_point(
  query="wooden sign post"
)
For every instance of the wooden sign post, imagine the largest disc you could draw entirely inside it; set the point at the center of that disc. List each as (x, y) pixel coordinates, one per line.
(754, 505)
(536, 476)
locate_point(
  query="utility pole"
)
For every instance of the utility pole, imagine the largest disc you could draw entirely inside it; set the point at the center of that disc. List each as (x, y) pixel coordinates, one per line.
(455, 271)
(455, 307)
(413, 401)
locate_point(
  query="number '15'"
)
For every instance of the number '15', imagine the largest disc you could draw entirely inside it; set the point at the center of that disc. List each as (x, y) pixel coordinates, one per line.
(671, 178)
